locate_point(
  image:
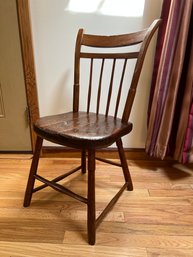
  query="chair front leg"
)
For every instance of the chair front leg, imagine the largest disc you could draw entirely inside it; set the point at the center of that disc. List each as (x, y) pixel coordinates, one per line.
(33, 171)
(124, 165)
(91, 215)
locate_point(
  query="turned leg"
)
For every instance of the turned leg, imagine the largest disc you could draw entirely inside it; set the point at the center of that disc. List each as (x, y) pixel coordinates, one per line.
(33, 170)
(91, 219)
(124, 165)
(83, 160)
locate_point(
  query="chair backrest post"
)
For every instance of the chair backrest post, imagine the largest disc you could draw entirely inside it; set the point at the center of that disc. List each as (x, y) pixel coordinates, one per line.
(77, 71)
(138, 67)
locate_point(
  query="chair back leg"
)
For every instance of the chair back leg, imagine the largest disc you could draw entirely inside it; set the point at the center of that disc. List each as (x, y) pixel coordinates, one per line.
(124, 165)
(83, 161)
(33, 171)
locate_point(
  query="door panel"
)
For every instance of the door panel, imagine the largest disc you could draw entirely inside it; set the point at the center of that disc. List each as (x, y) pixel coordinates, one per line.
(14, 128)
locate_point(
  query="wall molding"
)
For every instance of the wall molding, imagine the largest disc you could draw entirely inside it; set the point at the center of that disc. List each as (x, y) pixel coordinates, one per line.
(28, 64)
(110, 153)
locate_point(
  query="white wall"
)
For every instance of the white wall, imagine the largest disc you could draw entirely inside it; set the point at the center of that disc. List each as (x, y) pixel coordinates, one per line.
(54, 30)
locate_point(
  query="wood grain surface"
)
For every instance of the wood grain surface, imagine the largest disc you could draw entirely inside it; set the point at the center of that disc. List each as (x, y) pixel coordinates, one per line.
(153, 220)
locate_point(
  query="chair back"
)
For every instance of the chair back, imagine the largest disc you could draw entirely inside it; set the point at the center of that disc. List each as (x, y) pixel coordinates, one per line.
(98, 52)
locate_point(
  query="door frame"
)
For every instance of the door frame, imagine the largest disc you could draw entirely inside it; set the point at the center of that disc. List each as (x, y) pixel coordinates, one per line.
(28, 64)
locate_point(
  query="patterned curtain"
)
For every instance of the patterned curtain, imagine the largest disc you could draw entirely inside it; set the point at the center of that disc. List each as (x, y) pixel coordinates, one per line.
(170, 114)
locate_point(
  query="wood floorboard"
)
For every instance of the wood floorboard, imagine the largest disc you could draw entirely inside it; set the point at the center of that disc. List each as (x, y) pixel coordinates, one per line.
(155, 220)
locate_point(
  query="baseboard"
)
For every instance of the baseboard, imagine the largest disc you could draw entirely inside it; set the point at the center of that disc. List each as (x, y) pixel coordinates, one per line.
(109, 153)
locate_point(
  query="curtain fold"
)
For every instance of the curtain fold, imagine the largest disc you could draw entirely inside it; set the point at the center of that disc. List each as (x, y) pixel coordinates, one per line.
(184, 149)
(170, 120)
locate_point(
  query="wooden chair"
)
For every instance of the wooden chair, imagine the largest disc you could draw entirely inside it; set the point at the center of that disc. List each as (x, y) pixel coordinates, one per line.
(86, 130)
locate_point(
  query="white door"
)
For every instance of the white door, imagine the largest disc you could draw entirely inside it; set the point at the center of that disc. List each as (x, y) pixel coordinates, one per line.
(14, 128)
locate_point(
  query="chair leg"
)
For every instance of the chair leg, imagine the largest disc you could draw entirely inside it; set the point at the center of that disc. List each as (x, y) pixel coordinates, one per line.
(83, 161)
(124, 165)
(91, 215)
(33, 170)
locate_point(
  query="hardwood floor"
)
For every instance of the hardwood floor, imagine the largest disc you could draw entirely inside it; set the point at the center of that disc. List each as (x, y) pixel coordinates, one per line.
(156, 219)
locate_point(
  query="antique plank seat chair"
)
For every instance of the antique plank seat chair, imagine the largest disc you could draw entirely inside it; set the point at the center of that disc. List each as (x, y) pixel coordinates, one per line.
(90, 130)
